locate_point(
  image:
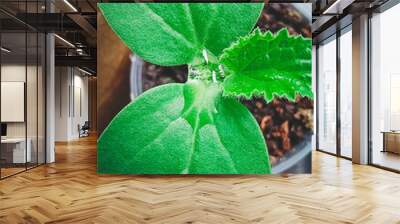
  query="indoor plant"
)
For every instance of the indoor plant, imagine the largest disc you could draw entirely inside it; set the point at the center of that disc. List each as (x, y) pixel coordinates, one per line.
(199, 127)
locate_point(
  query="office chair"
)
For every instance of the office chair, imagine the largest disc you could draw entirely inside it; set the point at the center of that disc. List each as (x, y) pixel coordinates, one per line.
(84, 130)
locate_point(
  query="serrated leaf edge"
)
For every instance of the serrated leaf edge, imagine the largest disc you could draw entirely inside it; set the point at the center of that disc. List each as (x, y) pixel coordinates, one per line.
(240, 43)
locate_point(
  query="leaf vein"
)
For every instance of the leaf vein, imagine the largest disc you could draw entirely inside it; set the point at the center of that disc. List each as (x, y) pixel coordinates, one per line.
(168, 27)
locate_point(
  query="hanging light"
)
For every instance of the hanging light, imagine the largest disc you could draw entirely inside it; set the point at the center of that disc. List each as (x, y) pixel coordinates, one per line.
(5, 50)
(70, 5)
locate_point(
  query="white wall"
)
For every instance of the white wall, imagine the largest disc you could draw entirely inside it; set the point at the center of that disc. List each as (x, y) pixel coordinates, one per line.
(360, 89)
(33, 126)
(16, 73)
(13, 100)
(71, 93)
(50, 94)
(62, 82)
(80, 112)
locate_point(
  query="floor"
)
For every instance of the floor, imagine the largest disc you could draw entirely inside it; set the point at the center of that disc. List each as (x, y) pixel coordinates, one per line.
(70, 191)
(5, 172)
(10, 171)
(387, 159)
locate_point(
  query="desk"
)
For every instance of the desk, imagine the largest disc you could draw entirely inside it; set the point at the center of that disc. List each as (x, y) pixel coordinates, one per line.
(391, 141)
(18, 150)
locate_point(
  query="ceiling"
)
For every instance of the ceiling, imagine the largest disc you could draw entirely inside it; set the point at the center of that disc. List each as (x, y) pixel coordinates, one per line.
(332, 15)
(76, 21)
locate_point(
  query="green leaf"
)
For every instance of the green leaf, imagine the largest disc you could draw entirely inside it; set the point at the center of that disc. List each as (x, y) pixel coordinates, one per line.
(177, 33)
(268, 65)
(183, 129)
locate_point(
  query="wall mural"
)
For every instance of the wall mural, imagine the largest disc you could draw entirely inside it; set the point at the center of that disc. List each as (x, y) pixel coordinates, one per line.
(226, 88)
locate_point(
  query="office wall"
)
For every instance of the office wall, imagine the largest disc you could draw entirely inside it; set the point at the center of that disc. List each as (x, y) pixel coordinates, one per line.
(24, 62)
(71, 102)
(80, 112)
(92, 88)
(33, 126)
(16, 72)
(13, 98)
(61, 103)
(360, 90)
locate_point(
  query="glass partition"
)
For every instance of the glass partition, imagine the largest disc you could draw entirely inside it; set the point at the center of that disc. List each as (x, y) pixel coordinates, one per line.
(346, 93)
(31, 100)
(385, 90)
(13, 95)
(22, 67)
(327, 95)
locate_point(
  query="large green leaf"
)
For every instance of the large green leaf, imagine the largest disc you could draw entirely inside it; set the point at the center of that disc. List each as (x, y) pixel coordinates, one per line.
(183, 129)
(177, 33)
(268, 65)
